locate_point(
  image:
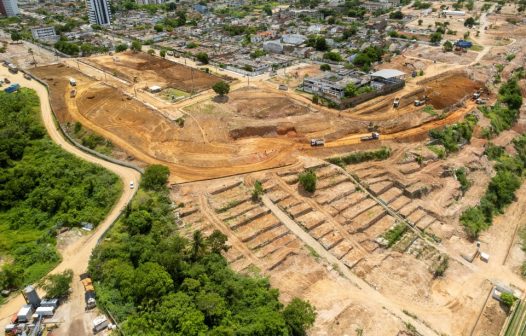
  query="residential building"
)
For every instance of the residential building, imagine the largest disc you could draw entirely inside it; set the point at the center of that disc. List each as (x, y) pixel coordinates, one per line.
(44, 33)
(99, 12)
(273, 46)
(9, 8)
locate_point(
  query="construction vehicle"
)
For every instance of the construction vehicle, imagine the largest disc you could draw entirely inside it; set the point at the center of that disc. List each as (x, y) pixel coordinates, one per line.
(396, 103)
(317, 142)
(419, 102)
(476, 95)
(373, 136)
(72, 82)
(73, 93)
(12, 88)
(12, 68)
(480, 101)
(89, 295)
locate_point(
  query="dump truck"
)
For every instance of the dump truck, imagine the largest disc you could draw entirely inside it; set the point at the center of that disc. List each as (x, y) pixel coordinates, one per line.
(317, 142)
(12, 88)
(89, 295)
(480, 101)
(373, 136)
(419, 102)
(396, 103)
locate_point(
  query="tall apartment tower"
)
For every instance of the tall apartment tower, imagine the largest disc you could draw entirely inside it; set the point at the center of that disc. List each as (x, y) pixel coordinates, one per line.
(8, 8)
(98, 12)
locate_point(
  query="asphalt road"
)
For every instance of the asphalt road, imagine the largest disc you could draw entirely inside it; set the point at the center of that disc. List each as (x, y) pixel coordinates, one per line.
(75, 256)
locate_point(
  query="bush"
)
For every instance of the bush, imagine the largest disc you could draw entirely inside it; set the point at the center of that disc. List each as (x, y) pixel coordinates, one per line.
(507, 299)
(258, 191)
(451, 136)
(57, 286)
(461, 176)
(325, 67)
(155, 177)
(202, 57)
(362, 156)
(307, 181)
(121, 47)
(333, 56)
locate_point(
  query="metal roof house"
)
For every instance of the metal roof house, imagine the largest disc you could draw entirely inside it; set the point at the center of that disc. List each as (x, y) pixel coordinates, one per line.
(388, 74)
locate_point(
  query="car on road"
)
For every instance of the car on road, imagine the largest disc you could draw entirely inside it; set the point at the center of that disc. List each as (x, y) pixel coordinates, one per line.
(132, 185)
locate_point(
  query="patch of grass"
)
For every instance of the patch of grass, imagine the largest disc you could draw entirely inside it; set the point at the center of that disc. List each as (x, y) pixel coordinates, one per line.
(438, 150)
(313, 253)
(394, 234)
(229, 206)
(172, 94)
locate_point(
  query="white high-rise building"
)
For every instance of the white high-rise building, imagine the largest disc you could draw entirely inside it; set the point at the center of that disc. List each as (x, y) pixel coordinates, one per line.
(98, 12)
(8, 8)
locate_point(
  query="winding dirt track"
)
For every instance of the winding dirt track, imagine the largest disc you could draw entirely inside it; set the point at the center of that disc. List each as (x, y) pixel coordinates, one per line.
(76, 255)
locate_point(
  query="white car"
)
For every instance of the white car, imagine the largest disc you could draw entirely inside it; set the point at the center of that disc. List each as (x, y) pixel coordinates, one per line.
(132, 185)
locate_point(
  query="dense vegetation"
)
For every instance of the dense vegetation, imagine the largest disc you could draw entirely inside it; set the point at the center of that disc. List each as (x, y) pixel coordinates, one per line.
(505, 112)
(453, 136)
(501, 189)
(42, 189)
(362, 156)
(158, 283)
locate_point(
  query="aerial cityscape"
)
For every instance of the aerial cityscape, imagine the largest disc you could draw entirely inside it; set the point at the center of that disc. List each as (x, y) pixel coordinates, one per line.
(254, 167)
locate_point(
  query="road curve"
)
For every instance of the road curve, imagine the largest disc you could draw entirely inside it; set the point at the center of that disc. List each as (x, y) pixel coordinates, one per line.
(76, 255)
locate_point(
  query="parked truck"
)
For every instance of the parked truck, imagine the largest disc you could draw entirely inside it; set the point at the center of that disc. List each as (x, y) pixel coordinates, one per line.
(89, 291)
(317, 142)
(373, 136)
(12, 88)
(12, 68)
(100, 323)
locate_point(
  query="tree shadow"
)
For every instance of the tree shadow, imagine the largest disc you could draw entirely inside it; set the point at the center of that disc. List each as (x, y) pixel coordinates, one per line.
(220, 99)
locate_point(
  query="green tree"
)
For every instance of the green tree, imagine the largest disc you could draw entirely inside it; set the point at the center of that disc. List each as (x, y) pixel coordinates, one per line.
(151, 282)
(202, 57)
(307, 180)
(151, 52)
(162, 53)
(350, 90)
(57, 285)
(397, 15)
(158, 27)
(469, 22)
(155, 177)
(136, 46)
(221, 88)
(139, 222)
(299, 316)
(121, 47)
(16, 36)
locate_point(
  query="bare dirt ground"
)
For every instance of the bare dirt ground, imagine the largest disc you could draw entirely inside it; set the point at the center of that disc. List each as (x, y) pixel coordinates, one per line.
(149, 70)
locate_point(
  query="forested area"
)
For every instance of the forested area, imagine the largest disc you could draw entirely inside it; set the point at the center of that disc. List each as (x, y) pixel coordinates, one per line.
(155, 282)
(42, 189)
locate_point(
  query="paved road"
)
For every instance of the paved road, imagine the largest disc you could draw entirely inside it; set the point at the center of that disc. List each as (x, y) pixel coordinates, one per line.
(75, 256)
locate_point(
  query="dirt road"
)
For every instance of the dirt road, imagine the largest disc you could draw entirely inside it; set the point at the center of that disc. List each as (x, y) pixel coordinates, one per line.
(76, 255)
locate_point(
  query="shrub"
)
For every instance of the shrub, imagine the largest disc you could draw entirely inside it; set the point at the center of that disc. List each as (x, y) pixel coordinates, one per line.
(507, 299)
(307, 180)
(202, 57)
(258, 191)
(325, 67)
(362, 156)
(57, 285)
(394, 234)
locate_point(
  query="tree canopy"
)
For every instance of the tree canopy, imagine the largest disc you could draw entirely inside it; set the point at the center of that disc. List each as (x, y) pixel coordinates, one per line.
(221, 88)
(155, 177)
(42, 189)
(155, 282)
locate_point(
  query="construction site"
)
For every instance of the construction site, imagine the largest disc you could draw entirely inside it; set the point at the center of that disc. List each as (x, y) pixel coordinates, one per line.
(333, 247)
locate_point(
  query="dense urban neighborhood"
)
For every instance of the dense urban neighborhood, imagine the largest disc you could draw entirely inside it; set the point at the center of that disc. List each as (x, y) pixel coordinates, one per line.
(253, 167)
